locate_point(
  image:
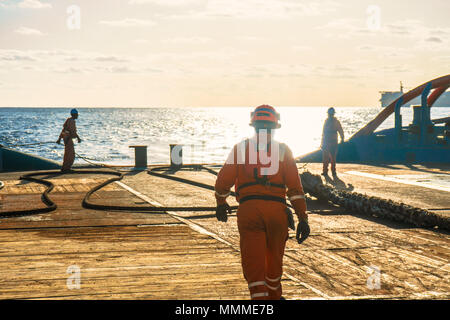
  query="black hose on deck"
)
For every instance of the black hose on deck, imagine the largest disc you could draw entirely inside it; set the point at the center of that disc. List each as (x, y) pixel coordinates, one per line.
(51, 206)
(154, 172)
(90, 205)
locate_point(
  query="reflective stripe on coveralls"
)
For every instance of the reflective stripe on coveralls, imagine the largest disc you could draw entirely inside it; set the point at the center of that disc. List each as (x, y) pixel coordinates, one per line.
(258, 289)
(256, 283)
(276, 283)
(259, 295)
(273, 280)
(296, 197)
(223, 195)
(272, 288)
(264, 283)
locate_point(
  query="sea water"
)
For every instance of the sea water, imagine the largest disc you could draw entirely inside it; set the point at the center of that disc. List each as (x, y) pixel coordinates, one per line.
(207, 134)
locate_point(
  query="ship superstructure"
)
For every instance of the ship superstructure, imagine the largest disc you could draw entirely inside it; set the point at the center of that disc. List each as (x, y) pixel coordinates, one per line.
(387, 97)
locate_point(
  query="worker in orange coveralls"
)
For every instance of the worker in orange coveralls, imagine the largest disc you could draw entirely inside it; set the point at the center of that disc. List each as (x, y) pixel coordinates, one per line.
(261, 170)
(68, 133)
(329, 144)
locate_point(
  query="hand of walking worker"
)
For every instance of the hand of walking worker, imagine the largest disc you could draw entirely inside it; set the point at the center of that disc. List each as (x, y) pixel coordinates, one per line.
(58, 141)
(79, 140)
(302, 230)
(222, 212)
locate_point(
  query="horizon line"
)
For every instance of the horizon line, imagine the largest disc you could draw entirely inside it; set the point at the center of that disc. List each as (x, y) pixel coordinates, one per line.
(180, 107)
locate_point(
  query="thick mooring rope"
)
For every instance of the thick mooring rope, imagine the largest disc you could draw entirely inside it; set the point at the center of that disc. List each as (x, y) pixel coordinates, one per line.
(360, 203)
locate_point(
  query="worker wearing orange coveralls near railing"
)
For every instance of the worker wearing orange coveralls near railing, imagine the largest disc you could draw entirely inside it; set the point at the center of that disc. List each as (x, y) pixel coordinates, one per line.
(261, 170)
(68, 133)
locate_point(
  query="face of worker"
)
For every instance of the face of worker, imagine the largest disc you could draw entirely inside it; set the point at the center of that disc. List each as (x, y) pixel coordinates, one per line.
(75, 115)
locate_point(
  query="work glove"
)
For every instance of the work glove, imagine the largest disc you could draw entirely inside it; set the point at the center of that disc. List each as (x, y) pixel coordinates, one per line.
(302, 230)
(291, 223)
(222, 212)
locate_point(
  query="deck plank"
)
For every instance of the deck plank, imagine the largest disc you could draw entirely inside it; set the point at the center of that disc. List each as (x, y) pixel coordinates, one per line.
(132, 255)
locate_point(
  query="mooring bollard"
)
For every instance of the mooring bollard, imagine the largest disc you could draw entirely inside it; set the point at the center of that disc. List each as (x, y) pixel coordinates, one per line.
(176, 155)
(140, 156)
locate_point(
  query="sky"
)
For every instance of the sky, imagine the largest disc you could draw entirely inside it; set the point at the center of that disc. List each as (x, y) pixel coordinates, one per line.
(189, 53)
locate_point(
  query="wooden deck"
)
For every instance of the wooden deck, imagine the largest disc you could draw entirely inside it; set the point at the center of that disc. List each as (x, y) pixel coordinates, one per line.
(188, 255)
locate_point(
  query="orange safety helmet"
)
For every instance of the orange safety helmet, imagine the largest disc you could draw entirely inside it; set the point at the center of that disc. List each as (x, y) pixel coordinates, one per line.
(265, 117)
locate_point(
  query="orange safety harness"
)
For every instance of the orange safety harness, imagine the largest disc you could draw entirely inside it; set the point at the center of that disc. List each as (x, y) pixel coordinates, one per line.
(252, 171)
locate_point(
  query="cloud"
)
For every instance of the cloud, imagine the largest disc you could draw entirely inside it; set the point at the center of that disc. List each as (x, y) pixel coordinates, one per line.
(59, 57)
(109, 59)
(386, 51)
(268, 71)
(222, 55)
(367, 48)
(140, 41)
(400, 29)
(257, 9)
(71, 70)
(28, 31)
(434, 39)
(187, 40)
(393, 69)
(419, 35)
(250, 38)
(120, 70)
(152, 70)
(75, 62)
(33, 4)
(300, 49)
(16, 55)
(347, 71)
(92, 69)
(266, 8)
(167, 3)
(76, 56)
(128, 22)
(345, 28)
